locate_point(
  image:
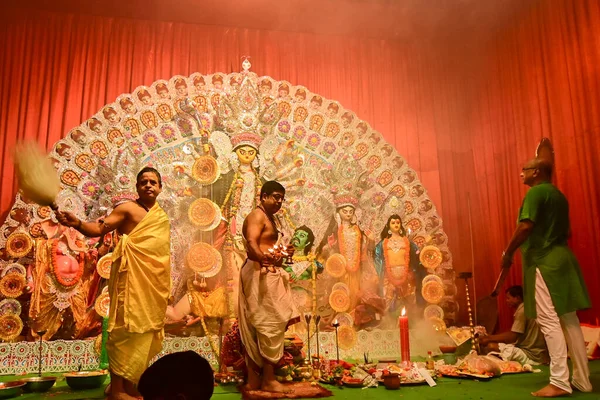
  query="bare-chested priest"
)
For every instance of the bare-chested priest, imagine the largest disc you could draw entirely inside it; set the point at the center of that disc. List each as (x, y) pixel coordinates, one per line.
(265, 307)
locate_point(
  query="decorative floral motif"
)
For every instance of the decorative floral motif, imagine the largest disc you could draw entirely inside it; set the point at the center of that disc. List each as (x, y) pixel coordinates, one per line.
(168, 133)
(185, 127)
(136, 147)
(329, 148)
(91, 189)
(151, 141)
(313, 141)
(378, 199)
(299, 132)
(284, 126)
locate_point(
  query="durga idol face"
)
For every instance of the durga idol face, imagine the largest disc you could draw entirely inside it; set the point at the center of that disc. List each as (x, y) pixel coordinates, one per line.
(346, 213)
(246, 154)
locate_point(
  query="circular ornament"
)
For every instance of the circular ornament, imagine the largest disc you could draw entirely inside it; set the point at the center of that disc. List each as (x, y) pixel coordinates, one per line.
(12, 285)
(15, 268)
(433, 292)
(438, 324)
(346, 337)
(10, 327)
(432, 278)
(104, 265)
(336, 265)
(204, 259)
(341, 286)
(344, 319)
(205, 170)
(10, 306)
(203, 213)
(430, 257)
(433, 311)
(102, 305)
(339, 300)
(19, 244)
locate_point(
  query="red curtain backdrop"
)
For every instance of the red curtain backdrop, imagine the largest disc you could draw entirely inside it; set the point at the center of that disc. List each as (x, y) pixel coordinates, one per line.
(465, 114)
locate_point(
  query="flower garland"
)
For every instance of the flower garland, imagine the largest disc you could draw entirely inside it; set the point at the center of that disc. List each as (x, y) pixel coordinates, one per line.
(309, 257)
(386, 255)
(62, 282)
(352, 265)
(12, 285)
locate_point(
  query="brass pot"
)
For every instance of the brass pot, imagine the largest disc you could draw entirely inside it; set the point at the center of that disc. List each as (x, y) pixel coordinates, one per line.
(86, 379)
(10, 389)
(39, 384)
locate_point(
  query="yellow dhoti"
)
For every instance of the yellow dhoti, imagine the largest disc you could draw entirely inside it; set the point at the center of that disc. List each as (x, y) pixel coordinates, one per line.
(139, 287)
(265, 309)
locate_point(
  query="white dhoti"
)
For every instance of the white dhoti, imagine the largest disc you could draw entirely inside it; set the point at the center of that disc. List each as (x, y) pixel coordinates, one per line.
(561, 332)
(265, 309)
(510, 352)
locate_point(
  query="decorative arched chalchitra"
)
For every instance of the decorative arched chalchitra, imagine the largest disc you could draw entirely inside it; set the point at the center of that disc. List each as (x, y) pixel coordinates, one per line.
(215, 139)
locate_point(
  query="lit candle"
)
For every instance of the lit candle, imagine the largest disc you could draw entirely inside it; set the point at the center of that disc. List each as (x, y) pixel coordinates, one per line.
(404, 336)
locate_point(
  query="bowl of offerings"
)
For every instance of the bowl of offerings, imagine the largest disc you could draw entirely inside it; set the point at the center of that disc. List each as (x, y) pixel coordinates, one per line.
(11, 389)
(39, 384)
(86, 379)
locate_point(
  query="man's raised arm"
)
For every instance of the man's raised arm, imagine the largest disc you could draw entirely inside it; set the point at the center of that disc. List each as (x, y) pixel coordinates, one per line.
(95, 228)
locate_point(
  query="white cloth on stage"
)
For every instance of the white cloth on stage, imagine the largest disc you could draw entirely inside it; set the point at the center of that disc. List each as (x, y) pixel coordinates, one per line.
(510, 352)
(560, 332)
(265, 309)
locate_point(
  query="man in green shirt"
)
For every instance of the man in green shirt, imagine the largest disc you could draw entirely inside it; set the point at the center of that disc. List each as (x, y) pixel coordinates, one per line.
(554, 288)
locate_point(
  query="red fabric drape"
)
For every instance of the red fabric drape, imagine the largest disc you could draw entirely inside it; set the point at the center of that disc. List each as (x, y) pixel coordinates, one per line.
(465, 115)
(540, 78)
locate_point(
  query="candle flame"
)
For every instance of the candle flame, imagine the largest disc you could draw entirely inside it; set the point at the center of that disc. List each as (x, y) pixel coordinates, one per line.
(403, 311)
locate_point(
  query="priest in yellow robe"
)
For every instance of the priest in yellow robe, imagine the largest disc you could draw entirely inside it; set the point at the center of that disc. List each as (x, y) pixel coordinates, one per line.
(140, 282)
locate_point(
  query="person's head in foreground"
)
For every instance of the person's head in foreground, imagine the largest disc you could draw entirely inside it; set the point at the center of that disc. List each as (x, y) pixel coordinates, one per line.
(272, 195)
(178, 376)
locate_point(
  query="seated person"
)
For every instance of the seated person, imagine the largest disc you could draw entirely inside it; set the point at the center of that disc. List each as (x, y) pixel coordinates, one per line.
(524, 342)
(183, 376)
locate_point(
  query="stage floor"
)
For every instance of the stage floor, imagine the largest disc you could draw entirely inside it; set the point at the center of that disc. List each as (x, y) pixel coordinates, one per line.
(513, 387)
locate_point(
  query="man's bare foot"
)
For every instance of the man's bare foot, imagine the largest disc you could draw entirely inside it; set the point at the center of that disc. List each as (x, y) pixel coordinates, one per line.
(550, 391)
(274, 386)
(107, 390)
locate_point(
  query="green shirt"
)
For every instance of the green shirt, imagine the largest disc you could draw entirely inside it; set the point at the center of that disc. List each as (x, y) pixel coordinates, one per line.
(546, 249)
